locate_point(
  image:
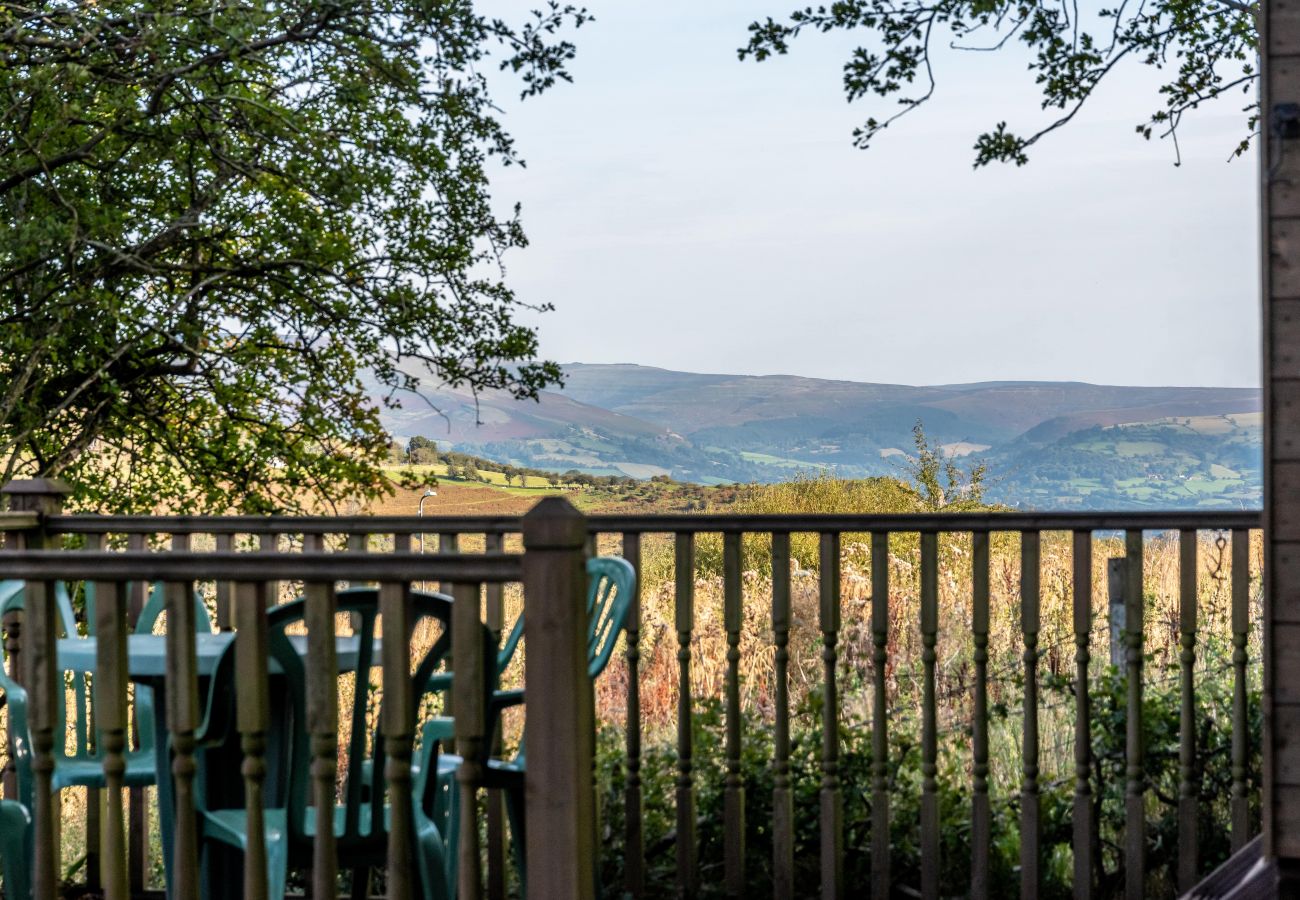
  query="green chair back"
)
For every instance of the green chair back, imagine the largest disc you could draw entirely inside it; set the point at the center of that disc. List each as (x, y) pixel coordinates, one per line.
(359, 829)
(13, 596)
(611, 582)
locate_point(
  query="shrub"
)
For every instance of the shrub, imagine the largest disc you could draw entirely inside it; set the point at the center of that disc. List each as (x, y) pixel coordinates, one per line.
(1161, 707)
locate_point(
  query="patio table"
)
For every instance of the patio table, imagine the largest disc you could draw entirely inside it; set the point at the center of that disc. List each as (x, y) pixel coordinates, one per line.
(147, 665)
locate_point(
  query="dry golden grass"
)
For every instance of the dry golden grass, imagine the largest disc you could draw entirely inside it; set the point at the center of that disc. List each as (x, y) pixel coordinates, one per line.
(954, 675)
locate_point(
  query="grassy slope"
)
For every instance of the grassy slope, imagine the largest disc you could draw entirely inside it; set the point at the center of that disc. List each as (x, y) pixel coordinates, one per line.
(457, 497)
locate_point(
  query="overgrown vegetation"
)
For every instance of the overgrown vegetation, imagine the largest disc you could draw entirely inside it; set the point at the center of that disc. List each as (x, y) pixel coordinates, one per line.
(1161, 721)
(855, 672)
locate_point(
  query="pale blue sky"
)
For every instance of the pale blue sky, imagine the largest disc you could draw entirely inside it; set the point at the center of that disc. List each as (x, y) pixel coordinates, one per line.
(693, 212)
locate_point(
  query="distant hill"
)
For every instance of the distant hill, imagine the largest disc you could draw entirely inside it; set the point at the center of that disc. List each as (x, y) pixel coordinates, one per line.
(458, 416)
(1047, 444)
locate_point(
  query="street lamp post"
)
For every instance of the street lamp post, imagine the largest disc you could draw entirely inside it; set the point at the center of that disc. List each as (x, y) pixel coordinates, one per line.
(419, 511)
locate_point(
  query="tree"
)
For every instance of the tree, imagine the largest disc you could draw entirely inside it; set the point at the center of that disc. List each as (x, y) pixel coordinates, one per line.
(222, 224)
(420, 451)
(422, 456)
(938, 482)
(1208, 47)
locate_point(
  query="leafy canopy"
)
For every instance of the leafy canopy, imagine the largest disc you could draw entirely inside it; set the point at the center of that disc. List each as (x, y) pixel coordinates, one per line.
(220, 220)
(1206, 47)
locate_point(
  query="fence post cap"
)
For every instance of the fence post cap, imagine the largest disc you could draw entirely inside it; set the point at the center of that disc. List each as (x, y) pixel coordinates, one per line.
(554, 524)
(39, 495)
(28, 486)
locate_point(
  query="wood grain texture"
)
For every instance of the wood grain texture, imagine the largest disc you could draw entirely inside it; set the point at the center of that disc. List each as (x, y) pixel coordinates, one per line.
(559, 715)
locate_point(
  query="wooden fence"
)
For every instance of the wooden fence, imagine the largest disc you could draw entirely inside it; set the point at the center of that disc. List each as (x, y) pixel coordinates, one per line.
(561, 808)
(551, 570)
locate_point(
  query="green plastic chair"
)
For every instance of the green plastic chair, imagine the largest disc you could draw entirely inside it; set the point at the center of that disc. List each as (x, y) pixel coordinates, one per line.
(611, 582)
(83, 766)
(361, 822)
(16, 833)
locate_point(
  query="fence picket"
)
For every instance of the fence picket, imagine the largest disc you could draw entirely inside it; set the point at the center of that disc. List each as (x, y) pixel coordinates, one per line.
(981, 815)
(634, 853)
(880, 716)
(252, 718)
(1187, 782)
(1240, 627)
(1030, 802)
(1135, 787)
(684, 571)
(111, 718)
(471, 723)
(137, 811)
(1084, 823)
(44, 683)
(94, 798)
(494, 597)
(929, 717)
(782, 798)
(398, 727)
(183, 720)
(225, 589)
(323, 731)
(734, 790)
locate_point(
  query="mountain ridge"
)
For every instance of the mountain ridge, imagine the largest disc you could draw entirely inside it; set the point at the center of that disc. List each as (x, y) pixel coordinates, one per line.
(1058, 439)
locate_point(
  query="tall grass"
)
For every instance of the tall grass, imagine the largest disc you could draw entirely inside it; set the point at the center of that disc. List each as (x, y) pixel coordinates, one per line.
(659, 646)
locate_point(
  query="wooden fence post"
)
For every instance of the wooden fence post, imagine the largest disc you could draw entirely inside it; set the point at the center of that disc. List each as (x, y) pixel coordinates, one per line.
(1115, 595)
(1279, 166)
(39, 673)
(46, 497)
(560, 715)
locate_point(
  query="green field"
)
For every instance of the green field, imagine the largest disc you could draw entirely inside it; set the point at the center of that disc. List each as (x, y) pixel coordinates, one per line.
(1193, 462)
